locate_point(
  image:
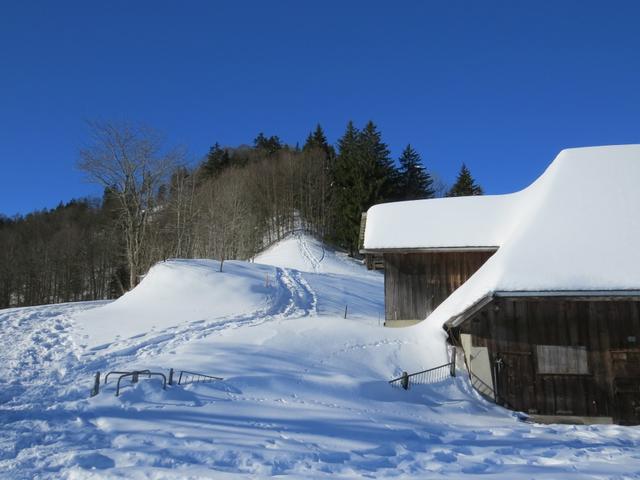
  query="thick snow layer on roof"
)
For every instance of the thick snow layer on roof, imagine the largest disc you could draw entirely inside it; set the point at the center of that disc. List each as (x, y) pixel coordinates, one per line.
(439, 223)
(576, 228)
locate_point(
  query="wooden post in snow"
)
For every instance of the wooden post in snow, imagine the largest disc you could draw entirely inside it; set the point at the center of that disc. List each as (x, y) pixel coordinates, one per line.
(405, 380)
(453, 363)
(96, 385)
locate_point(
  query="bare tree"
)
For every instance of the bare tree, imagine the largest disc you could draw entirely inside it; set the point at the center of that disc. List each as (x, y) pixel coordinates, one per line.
(130, 161)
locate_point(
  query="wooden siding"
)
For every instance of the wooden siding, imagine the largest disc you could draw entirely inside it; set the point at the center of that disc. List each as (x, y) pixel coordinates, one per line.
(512, 330)
(416, 283)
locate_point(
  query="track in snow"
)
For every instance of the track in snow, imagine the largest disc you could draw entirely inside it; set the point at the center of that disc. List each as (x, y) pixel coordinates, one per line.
(43, 352)
(305, 251)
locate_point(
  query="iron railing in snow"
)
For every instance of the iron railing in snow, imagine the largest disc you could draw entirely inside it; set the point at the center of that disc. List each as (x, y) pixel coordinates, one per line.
(193, 377)
(425, 377)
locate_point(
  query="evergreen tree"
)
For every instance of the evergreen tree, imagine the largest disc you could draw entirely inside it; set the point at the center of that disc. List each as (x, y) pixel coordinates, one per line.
(415, 182)
(363, 175)
(465, 185)
(269, 145)
(318, 140)
(217, 160)
(382, 180)
(347, 188)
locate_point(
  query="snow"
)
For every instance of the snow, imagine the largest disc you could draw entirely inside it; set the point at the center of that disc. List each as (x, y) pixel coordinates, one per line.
(576, 228)
(179, 292)
(456, 222)
(306, 254)
(304, 395)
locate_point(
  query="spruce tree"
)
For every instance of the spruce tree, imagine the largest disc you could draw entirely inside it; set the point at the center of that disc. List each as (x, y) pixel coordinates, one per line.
(269, 145)
(363, 175)
(217, 160)
(465, 185)
(347, 188)
(415, 182)
(382, 180)
(318, 140)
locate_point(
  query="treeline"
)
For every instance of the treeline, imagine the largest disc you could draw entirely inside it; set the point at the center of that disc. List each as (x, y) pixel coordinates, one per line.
(69, 253)
(229, 206)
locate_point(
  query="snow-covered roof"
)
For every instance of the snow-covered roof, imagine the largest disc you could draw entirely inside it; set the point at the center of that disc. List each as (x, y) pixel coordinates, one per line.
(576, 228)
(460, 222)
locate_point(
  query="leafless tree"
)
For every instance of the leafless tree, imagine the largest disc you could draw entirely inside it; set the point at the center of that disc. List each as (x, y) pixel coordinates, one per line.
(131, 162)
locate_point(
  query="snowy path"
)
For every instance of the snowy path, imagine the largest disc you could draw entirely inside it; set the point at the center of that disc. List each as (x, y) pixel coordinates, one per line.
(294, 299)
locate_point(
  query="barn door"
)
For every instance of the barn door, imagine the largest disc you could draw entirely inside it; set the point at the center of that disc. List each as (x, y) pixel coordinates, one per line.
(626, 392)
(626, 386)
(514, 375)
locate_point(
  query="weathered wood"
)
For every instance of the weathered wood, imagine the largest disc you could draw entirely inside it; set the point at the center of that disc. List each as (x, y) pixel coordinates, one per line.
(563, 356)
(416, 283)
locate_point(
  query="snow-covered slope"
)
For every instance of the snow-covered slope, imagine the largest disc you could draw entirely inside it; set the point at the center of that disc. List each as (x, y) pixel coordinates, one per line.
(178, 292)
(305, 392)
(306, 254)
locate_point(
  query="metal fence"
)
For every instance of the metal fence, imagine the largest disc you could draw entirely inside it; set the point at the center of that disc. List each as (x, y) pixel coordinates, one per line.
(425, 377)
(193, 377)
(184, 378)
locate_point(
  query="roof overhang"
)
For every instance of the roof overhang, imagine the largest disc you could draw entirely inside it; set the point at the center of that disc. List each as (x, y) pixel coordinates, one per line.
(430, 249)
(574, 295)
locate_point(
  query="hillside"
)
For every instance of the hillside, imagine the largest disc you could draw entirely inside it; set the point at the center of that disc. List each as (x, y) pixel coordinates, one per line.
(305, 391)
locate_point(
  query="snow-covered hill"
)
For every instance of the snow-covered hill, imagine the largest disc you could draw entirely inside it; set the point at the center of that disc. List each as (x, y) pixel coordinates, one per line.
(305, 391)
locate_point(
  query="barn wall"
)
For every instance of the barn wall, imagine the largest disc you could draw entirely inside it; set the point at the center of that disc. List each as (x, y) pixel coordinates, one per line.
(416, 283)
(563, 356)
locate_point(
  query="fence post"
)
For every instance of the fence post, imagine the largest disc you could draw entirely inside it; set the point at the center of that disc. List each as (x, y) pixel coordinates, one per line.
(170, 382)
(345, 311)
(96, 385)
(405, 380)
(453, 363)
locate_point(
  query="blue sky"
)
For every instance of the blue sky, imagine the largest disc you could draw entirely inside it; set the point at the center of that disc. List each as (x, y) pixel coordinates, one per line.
(502, 86)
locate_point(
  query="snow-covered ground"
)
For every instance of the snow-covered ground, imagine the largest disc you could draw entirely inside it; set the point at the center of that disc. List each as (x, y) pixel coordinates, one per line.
(305, 393)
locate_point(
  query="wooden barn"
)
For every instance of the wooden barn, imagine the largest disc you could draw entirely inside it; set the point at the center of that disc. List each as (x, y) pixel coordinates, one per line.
(422, 263)
(539, 289)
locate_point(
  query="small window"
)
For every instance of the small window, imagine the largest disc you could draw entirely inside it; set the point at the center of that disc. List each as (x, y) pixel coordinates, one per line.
(558, 359)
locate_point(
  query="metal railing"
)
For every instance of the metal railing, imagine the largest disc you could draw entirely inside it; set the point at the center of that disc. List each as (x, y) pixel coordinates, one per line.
(193, 377)
(184, 378)
(134, 379)
(142, 372)
(425, 377)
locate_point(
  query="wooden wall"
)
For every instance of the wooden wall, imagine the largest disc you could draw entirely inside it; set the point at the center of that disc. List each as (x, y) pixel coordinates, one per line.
(416, 283)
(608, 329)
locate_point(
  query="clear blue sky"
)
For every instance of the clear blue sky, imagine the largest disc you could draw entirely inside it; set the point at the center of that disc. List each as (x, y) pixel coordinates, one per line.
(502, 86)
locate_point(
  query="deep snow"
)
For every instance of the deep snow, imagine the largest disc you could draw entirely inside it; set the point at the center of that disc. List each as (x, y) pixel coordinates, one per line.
(305, 393)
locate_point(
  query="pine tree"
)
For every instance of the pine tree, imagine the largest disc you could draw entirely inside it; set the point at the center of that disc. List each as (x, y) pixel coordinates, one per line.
(378, 167)
(465, 185)
(318, 140)
(363, 175)
(269, 145)
(347, 188)
(217, 160)
(415, 182)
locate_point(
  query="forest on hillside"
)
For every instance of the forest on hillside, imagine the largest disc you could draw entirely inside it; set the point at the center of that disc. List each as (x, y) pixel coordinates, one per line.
(230, 205)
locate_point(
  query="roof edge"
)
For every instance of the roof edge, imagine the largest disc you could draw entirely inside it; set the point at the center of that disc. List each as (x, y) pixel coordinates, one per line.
(458, 319)
(476, 248)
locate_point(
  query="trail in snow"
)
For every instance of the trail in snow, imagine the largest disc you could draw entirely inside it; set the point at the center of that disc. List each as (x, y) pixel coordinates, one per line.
(43, 352)
(306, 252)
